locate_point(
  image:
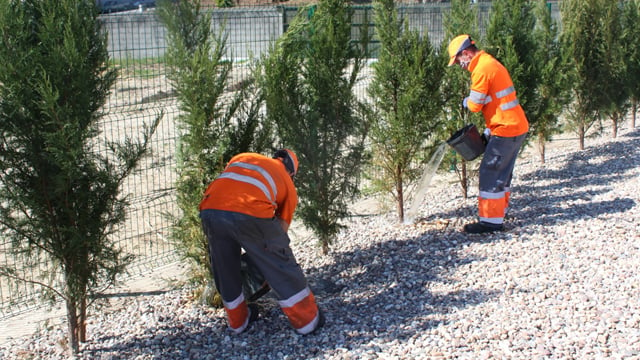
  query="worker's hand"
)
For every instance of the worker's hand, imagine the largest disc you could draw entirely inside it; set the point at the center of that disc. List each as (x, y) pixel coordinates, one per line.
(486, 134)
(464, 102)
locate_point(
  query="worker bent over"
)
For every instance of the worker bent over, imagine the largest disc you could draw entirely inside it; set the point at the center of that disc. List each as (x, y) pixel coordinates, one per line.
(250, 206)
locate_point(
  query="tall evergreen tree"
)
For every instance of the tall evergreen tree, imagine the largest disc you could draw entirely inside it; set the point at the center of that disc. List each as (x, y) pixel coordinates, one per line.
(583, 41)
(60, 200)
(462, 19)
(630, 36)
(553, 85)
(308, 80)
(215, 122)
(406, 94)
(510, 39)
(617, 88)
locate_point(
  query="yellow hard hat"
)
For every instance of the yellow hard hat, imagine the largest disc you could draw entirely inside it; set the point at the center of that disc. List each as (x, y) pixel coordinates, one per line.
(458, 44)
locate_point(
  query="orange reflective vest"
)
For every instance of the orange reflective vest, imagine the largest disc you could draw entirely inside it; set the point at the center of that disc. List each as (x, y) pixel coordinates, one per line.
(255, 185)
(492, 92)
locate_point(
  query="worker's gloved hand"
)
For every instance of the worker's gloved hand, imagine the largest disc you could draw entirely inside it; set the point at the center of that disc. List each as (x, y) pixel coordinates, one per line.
(464, 102)
(486, 134)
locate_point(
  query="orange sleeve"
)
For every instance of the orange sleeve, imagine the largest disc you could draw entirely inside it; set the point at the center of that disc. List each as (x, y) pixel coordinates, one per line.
(287, 205)
(493, 93)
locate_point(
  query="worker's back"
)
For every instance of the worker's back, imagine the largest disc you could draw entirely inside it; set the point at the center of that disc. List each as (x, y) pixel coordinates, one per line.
(255, 185)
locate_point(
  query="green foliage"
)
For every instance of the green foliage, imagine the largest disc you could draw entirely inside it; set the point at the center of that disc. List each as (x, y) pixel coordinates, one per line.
(218, 118)
(629, 38)
(618, 88)
(225, 3)
(406, 94)
(60, 200)
(308, 79)
(583, 40)
(462, 19)
(552, 93)
(510, 39)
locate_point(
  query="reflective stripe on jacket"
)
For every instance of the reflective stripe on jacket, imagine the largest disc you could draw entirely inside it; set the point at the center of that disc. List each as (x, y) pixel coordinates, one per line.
(492, 92)
(255, 185)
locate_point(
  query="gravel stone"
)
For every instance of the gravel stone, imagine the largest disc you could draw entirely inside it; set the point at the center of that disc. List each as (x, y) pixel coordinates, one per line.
(561, 282)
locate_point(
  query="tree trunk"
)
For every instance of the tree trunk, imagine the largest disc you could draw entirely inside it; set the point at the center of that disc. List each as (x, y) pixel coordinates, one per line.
(634, 110)
(541, 147)
(581, 134)
(325, 245)
(400, 194)
(615, 127)
(72, 322)
(82, 320)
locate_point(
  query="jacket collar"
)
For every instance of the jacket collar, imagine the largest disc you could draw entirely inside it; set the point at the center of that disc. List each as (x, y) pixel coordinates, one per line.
(474, 61)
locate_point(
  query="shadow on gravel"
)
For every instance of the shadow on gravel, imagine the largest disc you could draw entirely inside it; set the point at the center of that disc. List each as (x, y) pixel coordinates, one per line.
(370, 296)
(548, 196)
(387, 293)
(568, 193)
(382, 294)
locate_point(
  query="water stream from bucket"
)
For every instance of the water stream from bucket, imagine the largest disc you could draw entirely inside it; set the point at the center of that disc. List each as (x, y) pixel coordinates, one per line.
(423, 185)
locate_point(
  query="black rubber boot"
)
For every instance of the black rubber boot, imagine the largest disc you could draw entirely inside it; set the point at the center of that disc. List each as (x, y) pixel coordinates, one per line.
(482, 228)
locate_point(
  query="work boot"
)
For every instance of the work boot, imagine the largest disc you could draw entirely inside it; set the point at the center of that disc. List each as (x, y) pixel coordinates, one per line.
(321, 319)
(482, 228)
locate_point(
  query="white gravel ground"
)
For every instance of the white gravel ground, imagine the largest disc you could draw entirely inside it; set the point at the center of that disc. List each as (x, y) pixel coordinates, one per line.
(562, 282)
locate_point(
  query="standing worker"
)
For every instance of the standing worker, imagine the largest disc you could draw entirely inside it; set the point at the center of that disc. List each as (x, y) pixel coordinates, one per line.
(250, 206)
(492, 92)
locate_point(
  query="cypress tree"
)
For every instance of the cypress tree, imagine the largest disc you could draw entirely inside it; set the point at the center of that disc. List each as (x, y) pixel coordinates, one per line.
(60, 200)
(553, 83)
(617, 88)
(406, 94)
(630, 36)
(308, 79)
(583, 41)
(510, 39)
(217, 121)
(462, 19)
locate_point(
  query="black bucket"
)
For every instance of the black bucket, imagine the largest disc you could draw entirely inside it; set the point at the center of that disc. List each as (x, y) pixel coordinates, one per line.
(467, 142)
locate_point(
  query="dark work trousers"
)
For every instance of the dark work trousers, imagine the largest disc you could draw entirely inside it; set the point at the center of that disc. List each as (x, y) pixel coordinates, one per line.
(496, 172)
(266, 244)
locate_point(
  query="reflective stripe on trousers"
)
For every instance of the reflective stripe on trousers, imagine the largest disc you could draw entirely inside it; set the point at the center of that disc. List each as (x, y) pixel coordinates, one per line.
(496, 171)
(237, 314)
(491, 207)
(301, 310)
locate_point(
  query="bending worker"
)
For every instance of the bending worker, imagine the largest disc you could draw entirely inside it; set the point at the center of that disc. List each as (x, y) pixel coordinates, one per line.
(250, 206)
(492, 92)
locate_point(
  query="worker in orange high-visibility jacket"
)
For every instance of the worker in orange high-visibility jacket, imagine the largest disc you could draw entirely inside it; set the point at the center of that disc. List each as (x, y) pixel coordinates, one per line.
(250, 206)
(493, 93)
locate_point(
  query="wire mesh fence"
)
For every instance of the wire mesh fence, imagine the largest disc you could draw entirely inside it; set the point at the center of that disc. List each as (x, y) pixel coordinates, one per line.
(137, 47)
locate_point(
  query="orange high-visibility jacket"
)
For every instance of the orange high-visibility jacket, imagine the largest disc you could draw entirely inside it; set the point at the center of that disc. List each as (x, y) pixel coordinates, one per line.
(492, 92)
(255, 185)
